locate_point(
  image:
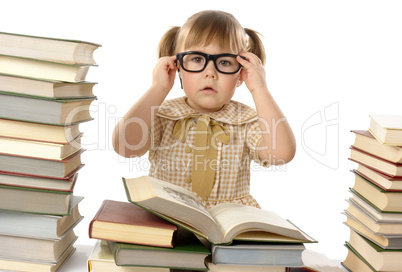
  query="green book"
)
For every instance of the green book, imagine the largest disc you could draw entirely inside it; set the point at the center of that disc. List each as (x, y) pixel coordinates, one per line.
(45, 110)
(355, 262)
(374, 256)
(188, 253)
(30, 200)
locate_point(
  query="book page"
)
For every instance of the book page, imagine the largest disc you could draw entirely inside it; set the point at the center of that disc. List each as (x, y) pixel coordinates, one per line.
(235, 219)
(181, 196)
(174, 202)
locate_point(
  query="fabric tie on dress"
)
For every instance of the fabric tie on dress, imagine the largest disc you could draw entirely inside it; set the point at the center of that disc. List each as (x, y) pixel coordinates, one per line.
(205, 149)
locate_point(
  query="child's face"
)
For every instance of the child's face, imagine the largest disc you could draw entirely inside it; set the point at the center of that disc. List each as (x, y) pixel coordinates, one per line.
(209, 90)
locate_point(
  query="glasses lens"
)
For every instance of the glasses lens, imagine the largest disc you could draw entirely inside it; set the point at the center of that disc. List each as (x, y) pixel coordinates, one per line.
(193, 62)
(227, 64)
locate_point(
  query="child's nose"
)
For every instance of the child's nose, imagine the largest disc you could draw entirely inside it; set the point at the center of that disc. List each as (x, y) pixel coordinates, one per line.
(210, 70)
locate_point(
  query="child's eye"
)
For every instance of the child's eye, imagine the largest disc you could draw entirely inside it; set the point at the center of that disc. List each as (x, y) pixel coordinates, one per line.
(224, 63)
(198, 59)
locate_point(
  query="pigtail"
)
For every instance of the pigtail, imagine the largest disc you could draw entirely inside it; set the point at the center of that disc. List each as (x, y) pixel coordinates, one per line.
(168, 42)
(255, 44)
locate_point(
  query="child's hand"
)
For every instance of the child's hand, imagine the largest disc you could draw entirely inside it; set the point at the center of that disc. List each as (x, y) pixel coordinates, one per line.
(252, 72)
(164, 73)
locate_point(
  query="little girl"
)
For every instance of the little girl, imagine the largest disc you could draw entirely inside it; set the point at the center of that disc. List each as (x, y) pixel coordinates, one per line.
(204, 141)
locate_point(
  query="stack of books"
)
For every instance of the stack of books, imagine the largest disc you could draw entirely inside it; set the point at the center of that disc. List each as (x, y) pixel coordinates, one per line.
(218, 239)
(135, 239)
(374, 214)
(43, 99)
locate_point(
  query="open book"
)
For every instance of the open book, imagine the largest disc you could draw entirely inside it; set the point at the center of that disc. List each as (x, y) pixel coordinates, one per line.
(219, 225)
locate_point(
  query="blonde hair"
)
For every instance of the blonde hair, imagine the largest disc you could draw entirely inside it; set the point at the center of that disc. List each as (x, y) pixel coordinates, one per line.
(211, 26)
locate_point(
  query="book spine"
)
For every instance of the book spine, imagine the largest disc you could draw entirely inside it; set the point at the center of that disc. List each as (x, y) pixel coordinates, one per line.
(96, 218)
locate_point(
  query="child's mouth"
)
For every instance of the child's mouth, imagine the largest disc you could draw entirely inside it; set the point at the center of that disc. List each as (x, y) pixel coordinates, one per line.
(208, 90)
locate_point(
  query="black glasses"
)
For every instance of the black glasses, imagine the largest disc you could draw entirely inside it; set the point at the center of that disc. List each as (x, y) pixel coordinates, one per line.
(196, 62)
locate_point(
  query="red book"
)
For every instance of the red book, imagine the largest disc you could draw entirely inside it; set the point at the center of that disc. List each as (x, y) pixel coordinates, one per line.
(365, 141)
(127, 223)
(386, 182)
(38, 182)
(387, 167)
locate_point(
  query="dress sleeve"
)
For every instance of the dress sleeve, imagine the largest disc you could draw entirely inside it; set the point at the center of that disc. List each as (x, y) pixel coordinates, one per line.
(253, 141)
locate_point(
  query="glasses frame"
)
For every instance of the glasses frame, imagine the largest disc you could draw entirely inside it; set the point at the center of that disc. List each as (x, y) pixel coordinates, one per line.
(207, 57)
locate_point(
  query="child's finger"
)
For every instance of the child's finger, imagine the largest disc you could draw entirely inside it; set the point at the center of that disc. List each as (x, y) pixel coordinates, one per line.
(173, 63)
(252, 58)
(244, 62)
(169, 63)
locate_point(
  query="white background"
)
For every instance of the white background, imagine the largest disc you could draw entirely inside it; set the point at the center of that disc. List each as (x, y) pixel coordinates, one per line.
(330, 64)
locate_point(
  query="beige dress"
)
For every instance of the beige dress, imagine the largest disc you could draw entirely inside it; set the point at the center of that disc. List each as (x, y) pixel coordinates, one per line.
(172, 160)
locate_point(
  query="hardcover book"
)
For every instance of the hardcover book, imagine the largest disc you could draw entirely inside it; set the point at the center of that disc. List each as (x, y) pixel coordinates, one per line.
(386, 242)
(63, 169)
(50, 49)
(378, 258)
(44, 110)
(42, 226)
(243, 268)
(39, 132)
(127, 223)
(219, 225)
(264, 254)
(367, 142)
(355, 262)
(45, 250)
(101, 259)
(37, 149)
(39, 201)
(385, 228)
(30, 265)
(36, 182)
(381, 165)
(47, 88)
(188, 253)
(386, 201)
(27, 67)
(387, 128)
(384, 181)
